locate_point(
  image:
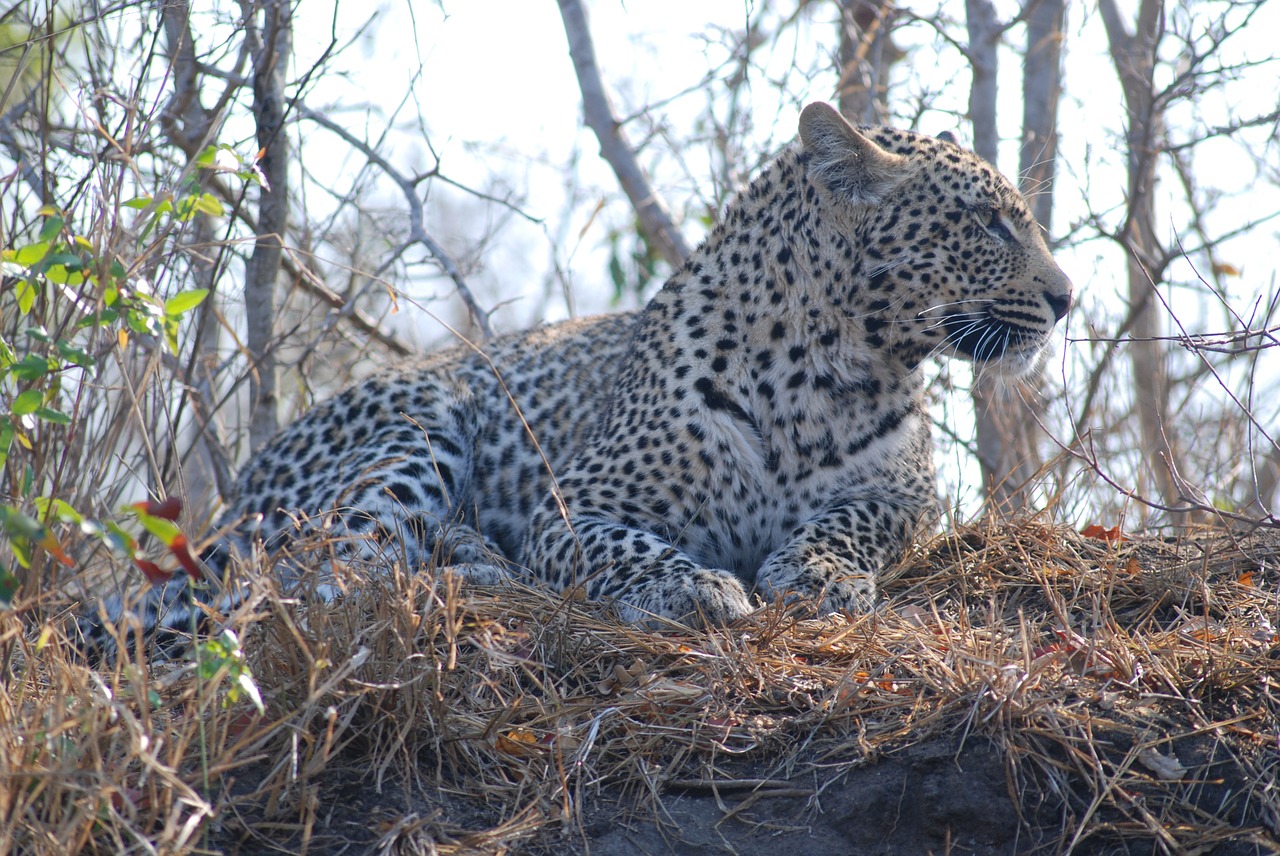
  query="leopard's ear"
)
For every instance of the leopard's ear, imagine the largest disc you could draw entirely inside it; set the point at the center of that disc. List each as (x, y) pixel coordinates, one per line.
(844, 160)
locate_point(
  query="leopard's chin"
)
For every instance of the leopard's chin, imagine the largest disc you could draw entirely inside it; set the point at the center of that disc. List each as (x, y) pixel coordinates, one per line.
(1015, 363)
(996, 346)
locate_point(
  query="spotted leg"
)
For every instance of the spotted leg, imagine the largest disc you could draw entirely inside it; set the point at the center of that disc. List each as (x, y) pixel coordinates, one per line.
(649, 580)
(831, 561)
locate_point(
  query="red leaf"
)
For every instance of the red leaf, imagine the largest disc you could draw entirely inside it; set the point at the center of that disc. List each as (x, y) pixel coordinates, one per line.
(155, 574)
(51, 545)
(1044, 650)
(1096, 531)
(167, 509)
(182, 552)
(241, 723)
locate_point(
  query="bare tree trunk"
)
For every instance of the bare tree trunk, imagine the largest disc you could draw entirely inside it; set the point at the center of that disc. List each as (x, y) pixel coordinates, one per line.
(1134, 56)
(1006, 461)
(655, 220)
(1041, 89)
(185, 121)
(1008, 414)
(270, 68)
(984, 34)
(866, 54)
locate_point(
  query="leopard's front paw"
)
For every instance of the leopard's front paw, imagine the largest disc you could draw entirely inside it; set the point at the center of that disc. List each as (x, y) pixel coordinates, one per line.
(817, 586)
(699, 596)
(491, 573)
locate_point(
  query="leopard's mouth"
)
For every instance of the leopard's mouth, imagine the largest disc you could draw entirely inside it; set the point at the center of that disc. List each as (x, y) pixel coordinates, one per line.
(985, 339)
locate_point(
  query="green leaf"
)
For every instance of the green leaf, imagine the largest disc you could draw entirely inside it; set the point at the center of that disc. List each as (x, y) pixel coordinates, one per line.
(57, 508)
(75, 356)
(165, 530)
(140, 319)
(137, 203)
(65, 277)
(31, 254)
(26, 293)
(70, 261)
(19, 525)
(101, 319)
(28, 402)
(33, 367)
(206, 158)
(52, 226)
(64, 268)
(207, 203)
(48, 414)
(9, 585)
(616, 274)
(171, 333)
(204, 203)
(185, 301)
(21, 551)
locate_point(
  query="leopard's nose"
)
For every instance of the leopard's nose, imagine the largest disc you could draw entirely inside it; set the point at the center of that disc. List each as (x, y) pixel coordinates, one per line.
(1060, 303)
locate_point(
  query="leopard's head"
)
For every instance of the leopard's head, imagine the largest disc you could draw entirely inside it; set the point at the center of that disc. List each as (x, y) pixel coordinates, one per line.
(952, 261)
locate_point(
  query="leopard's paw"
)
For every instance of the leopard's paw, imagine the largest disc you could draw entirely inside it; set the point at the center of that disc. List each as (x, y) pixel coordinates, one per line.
(817, 586)
(701, 596)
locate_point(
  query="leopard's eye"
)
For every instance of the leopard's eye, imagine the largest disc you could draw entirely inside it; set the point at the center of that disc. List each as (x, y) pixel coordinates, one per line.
(995, 224)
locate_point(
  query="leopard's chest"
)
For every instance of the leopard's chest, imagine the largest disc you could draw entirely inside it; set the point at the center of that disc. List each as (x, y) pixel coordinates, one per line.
(759, 482)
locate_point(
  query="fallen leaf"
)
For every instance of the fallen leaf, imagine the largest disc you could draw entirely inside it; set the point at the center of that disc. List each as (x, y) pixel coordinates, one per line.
(1046, 650)
(1166, 767)
(915, 615)
(726, 721)
(1103, 534)
(518, 741)
(668, 691)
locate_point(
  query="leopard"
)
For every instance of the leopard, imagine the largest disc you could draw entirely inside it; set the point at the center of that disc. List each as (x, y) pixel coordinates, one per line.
(758, 433)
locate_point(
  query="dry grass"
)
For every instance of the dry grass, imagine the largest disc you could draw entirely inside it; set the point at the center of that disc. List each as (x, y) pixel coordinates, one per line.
(1134, 685)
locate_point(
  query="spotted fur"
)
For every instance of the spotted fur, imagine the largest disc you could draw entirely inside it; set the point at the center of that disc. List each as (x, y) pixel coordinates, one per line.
(758, 431)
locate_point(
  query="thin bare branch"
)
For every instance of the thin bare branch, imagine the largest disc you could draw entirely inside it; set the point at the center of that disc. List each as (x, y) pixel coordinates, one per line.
(652, 212)
(417, 217)
(271, 53)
